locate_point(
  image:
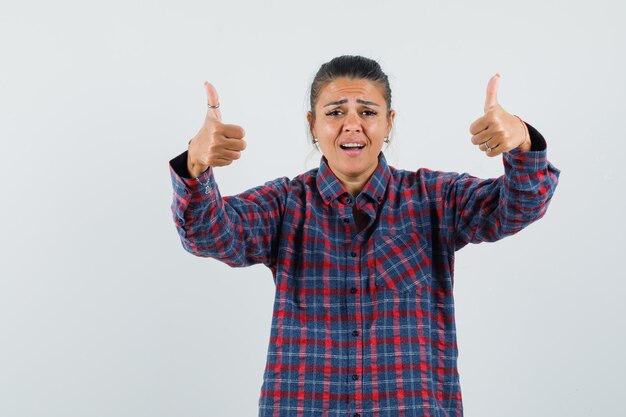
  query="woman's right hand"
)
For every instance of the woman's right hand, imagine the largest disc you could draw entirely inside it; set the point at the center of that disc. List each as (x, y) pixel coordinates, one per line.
(216, 144)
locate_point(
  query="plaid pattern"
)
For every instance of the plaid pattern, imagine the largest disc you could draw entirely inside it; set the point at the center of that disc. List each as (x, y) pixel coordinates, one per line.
(363, 323)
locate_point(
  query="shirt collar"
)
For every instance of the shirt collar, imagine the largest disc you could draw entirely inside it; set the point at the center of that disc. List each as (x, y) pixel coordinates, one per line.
(330, 188)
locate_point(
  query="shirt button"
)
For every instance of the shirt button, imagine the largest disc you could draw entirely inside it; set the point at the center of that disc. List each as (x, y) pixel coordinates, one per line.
(346, 220)
(348, 200)
(355, 377)
(353, 254)
(353, 290)
(355, 333)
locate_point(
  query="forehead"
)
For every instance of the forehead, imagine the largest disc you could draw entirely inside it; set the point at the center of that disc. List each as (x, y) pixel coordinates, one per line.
(350, 88)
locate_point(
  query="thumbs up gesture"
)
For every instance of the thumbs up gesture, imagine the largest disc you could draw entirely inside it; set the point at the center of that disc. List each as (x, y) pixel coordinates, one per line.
(498, 131)
(216, 144)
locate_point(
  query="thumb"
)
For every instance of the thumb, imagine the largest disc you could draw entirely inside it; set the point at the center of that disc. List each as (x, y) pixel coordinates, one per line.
(213, 100)
(492, 93)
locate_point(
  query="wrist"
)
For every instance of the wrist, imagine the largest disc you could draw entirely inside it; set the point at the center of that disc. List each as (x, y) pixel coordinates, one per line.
(526, 145)
(192, 168)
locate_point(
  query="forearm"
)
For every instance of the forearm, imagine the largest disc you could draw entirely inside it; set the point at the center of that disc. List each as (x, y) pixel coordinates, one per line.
(237, 230)
(198, 211)
(488, 210)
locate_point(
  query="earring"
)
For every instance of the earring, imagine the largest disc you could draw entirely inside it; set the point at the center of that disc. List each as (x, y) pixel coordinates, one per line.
(315, 141)
(386, 140)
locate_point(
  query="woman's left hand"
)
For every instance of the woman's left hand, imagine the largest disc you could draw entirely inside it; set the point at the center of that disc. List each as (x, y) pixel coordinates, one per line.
(498, 131)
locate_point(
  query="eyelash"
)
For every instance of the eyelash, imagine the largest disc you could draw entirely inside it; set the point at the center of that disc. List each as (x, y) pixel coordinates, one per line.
(335, 112)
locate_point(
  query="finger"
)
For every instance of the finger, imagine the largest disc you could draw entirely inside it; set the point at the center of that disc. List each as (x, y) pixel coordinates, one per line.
(231, 131)
(491, 100)
(493, 151)
(233, 144)
(213, 100)
(487, 144)
(479, 125)
(482, 137)
(223, 162)
(229, 155)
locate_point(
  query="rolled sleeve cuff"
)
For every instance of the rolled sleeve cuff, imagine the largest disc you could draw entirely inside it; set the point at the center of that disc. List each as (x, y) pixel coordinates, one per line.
(194, 192)
(528, 161)
(538, 143)
(199, 187)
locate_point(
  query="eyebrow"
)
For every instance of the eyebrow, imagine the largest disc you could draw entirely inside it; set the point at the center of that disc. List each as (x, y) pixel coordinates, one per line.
(345, 100)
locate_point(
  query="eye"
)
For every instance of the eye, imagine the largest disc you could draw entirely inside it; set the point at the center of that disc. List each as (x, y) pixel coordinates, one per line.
(369, 112)
(334, 112)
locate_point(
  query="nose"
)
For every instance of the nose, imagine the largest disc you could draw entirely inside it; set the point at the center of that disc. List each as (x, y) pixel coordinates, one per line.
(352, 123)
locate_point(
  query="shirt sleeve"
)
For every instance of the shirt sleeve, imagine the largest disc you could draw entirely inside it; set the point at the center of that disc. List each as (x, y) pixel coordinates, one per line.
(485, 210)
(239, 230)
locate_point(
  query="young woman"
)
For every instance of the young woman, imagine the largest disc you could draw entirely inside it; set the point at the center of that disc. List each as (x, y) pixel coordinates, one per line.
(362, 253)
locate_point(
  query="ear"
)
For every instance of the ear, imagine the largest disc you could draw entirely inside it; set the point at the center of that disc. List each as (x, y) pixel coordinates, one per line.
(392, 115)
(309, 119)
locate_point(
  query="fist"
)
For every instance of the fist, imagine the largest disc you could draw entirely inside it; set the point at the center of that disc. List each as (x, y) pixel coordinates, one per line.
(216, 144)
(498, 131)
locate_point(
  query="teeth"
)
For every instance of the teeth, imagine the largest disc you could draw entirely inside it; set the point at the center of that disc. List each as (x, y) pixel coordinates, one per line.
(352, 145)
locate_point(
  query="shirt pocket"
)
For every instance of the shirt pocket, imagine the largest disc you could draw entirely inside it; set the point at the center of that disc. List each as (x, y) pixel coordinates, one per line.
(402, 262)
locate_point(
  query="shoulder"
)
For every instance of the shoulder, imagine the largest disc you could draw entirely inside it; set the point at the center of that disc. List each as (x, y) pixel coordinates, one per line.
(295, 184)
(421, 177)
(299, 182)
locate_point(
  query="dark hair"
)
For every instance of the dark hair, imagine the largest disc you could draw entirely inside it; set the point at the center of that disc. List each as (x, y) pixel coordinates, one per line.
(350, 66)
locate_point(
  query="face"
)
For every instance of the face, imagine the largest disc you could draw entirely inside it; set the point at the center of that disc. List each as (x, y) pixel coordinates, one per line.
(351, 123)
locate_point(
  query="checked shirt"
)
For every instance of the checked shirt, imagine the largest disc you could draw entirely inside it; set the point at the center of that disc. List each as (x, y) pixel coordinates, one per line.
(363, 321)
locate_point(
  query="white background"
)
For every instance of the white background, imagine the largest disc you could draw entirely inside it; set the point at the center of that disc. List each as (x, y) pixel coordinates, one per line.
(102, 312)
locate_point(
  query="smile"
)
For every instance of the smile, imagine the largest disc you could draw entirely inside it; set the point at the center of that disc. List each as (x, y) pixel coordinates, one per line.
(352, 146)
(352, 150)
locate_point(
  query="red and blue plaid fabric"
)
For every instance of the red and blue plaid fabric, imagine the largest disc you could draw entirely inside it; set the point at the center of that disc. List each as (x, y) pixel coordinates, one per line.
(363, 322)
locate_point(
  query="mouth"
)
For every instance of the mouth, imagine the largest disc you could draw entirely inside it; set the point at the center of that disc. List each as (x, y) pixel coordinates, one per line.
(353, 148)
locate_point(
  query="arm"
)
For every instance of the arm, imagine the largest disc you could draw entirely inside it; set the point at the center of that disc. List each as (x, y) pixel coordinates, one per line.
(485, 210)
(238, 230)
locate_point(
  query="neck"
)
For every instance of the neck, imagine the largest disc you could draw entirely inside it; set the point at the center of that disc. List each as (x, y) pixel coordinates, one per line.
(354, 184)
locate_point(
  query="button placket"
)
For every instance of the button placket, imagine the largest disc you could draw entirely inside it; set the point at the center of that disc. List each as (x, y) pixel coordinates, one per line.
(354, 259)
